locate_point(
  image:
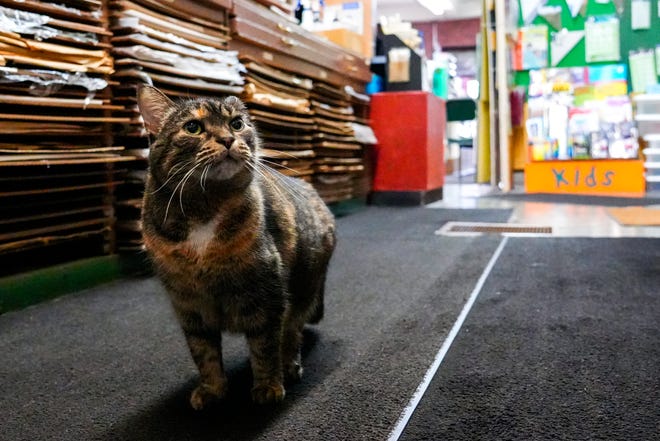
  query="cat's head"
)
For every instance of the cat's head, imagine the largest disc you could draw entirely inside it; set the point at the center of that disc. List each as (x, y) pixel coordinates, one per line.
(212, 139)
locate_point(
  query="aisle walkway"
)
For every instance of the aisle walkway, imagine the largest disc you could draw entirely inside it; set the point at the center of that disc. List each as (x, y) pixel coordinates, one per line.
(562, 343)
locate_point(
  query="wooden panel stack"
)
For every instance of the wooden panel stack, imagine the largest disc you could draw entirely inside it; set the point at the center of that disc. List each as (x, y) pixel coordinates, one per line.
(362, 179)
(58, 165)
(307, 114)
(280, 105)
(179, 47)
(73, 148)
(339, 156)
(284, 7)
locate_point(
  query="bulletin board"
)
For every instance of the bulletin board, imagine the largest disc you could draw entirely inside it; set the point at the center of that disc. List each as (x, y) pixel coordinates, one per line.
(629, 39)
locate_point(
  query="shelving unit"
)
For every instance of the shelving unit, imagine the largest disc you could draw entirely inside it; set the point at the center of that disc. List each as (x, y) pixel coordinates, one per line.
(305, 94)
(280, 105)
(648, 121)
(578, 56)
(59, 164)
(73, 151)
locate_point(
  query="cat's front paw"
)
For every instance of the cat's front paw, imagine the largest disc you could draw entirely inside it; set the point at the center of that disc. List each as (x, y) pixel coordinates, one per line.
(267, 393)
(204, 394)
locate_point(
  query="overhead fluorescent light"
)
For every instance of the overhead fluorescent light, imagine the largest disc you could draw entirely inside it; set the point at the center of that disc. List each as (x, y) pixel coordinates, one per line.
(437, 7)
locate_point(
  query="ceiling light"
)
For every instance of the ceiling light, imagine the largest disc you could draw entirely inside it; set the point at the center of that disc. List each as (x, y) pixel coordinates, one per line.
(437, 7)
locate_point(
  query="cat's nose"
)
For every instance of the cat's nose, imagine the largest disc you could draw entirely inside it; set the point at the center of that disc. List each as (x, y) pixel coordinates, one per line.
(227, 142)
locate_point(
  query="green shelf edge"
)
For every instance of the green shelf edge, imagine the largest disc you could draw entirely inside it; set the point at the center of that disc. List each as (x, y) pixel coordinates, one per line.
(21, 290)
(349, 206)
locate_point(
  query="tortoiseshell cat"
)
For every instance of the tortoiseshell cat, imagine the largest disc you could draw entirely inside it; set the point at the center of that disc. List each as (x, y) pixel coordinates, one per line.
(238, 246)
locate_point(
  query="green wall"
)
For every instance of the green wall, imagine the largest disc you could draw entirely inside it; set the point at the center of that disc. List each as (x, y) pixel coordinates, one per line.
(630, 39)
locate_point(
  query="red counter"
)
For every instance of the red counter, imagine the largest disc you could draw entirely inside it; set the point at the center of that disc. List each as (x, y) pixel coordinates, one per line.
(410, 127)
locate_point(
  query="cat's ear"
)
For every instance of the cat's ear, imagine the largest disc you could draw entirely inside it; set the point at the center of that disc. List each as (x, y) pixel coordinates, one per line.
(153, 105)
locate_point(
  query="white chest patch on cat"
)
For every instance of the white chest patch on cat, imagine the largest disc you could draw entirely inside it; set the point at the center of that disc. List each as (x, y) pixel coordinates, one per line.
(201, 235)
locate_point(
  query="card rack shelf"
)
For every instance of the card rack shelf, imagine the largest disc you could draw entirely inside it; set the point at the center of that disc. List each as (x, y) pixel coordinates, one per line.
(73, 149)
(280, 106)
(59, 165)
(338, 154)
(297, 92)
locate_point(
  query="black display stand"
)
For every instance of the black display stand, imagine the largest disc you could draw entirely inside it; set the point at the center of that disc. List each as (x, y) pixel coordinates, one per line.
(380, 63)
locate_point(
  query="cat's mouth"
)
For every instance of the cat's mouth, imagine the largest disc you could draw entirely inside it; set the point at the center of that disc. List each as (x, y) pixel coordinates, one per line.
(225, 164)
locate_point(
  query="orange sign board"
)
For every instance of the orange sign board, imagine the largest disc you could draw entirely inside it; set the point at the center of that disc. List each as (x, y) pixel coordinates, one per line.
(605, 177)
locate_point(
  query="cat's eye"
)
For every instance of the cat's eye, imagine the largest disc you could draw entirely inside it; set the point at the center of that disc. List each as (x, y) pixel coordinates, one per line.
(236, 124)
(193, 127)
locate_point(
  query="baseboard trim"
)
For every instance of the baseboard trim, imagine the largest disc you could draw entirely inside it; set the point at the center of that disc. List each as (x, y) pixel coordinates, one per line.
(406, 198)
(25, 289)
(348, 206)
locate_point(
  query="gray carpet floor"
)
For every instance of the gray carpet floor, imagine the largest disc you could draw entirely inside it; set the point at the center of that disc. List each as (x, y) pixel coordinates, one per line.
(111, 363)
(563, 343)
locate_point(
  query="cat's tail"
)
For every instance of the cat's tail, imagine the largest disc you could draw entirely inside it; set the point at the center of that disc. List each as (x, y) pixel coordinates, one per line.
(317, 315)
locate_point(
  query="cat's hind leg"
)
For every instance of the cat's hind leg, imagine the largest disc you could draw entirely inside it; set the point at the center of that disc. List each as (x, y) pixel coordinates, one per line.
(291, 344)
(266, 362)
(307, 285)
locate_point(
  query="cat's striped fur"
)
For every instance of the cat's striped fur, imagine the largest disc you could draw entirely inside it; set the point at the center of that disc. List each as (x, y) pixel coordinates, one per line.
(238, 246)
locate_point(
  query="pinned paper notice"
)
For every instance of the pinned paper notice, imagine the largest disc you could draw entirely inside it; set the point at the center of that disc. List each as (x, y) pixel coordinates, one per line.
(640, 14)
(529, 8)
(562, 43)
(601, 39)
(642, 70)
(531, 51)
(576, 6)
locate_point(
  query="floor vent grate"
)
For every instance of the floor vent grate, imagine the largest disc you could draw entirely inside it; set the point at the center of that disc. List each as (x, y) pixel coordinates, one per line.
(478, 228)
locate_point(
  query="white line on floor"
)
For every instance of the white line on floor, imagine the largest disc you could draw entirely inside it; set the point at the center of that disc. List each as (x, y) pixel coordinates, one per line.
(430, 373)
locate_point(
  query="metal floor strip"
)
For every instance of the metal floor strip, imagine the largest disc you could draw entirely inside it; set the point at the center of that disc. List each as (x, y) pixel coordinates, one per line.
(506, 229)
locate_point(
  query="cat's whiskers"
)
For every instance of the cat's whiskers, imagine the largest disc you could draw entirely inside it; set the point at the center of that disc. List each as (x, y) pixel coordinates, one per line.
(286, 185)
(185, 179)
(205, 151)
(277, 164)
(290, 187)
(182, 181)
(278, 151)
(179, 166)
(202, 179)
(206, 160)
(281, 177)
(266, 177)
(172, 173)
(279, 183)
